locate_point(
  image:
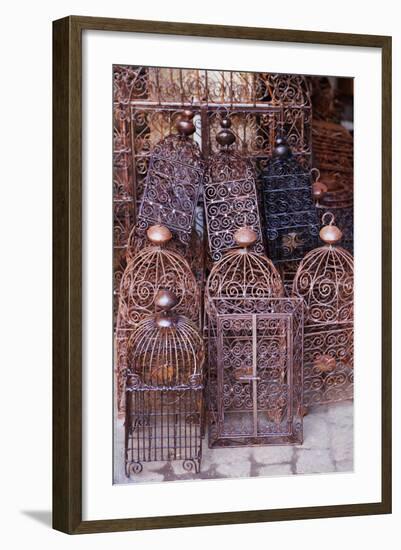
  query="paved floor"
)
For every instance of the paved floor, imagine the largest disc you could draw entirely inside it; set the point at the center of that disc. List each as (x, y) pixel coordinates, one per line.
(328, 447)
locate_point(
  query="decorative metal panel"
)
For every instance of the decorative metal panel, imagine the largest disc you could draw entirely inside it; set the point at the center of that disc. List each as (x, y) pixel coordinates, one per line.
(325, 281)
(164, 388)
(255, 373)
(230, 196)
(291, 219)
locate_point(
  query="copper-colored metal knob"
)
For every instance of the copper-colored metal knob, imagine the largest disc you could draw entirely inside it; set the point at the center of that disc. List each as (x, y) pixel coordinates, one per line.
(325, 363)
(245, 236)
(226, 136)
(159, 234)
(165, 300)
(184, 124)
(330, 234)
(318, 190)
(281, 149)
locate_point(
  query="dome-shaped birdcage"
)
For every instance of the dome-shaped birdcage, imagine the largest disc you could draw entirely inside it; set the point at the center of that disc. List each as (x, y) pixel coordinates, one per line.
(173, 182)
(229, 195)
(152, 268)
(166, 349)
(242, 276)
(325, 281)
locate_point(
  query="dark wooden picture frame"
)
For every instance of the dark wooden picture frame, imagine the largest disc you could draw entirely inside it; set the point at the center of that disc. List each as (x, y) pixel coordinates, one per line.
(67, 274)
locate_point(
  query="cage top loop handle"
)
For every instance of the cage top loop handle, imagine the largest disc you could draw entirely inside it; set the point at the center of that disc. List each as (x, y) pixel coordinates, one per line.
(315, 174)
(328, 218)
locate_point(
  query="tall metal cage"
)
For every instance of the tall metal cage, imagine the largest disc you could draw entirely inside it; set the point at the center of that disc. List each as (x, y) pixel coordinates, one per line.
(291, 221)
(255, 372)
(325, 281)
(154, 267)
(173, 183)
(164, 390)
(254, 387)
(230, 195)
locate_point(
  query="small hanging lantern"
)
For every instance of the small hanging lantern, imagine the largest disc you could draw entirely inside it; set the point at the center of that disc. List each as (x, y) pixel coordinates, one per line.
(229, 195)
(255, 337)
(164, 389)
(173, 183)
(290, 214)
(325, 281)
(153, 268)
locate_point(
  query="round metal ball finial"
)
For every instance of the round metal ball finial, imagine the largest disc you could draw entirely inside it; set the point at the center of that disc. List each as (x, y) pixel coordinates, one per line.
(318, 190)
(165, 300)
(184, 124)
(330, 234)
(245, 237)
(281, 148)
(225, 137)
(159, 234)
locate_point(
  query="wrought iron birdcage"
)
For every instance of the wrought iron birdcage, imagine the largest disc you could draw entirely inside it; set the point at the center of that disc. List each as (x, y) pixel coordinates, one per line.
(152, 268)
(173, 183)
(229, 195)
(254, 387)
(325, 281)
(164, 390)
(291, 220)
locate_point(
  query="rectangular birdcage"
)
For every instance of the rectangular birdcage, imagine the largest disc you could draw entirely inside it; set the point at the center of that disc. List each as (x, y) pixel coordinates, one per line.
(255, 374)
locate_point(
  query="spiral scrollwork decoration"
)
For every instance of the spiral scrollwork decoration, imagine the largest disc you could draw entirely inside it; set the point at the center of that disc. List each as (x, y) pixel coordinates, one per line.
(290, 213)
(325, 282)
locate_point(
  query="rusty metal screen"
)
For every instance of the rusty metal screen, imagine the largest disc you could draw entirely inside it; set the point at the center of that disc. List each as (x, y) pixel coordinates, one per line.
(255, 372)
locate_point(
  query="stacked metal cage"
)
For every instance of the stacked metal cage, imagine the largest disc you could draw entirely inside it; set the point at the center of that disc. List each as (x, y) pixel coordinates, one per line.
(164, 390)
(154, 267)
(325, 282)
(254, 392)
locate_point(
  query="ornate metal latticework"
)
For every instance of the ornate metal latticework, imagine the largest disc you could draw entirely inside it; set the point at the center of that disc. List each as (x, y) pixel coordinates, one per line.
(230, 196)
(151, 269)
(290, 213)
(173, 183)
(255, 351)
(325, 281)
(255, 372)
(164, 390)
(148, 101)
(243, 274)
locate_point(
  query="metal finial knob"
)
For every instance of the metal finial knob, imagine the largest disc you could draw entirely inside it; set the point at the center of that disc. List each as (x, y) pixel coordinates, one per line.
(159, 234)
(318, 190)
(184, 124)
(281, 148)
(165, 300)
(226, 136)
(245, 237)
(330, 234)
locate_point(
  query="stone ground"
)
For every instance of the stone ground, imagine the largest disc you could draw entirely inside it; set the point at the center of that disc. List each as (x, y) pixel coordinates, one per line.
(327, 447)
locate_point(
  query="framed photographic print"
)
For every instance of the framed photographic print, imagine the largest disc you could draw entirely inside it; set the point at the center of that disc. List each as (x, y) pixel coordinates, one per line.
(222, 275)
